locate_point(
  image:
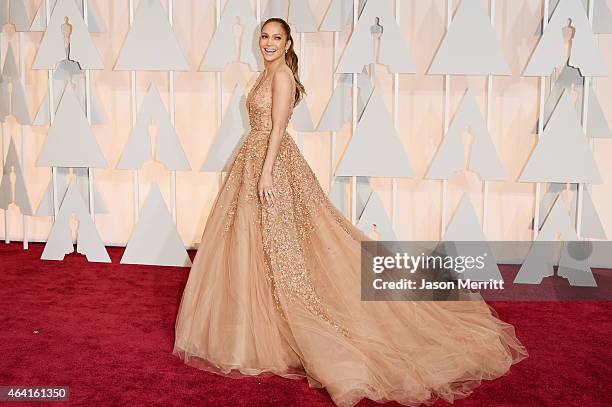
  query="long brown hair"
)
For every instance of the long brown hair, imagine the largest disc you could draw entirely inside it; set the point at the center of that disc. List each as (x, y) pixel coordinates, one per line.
(291, 58)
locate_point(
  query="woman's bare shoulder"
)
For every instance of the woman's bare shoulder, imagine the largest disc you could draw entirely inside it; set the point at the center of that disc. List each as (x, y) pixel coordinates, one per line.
(283, 78)
(283, 75)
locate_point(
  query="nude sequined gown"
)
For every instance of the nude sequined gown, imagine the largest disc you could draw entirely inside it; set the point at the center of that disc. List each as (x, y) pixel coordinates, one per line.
(276, 290)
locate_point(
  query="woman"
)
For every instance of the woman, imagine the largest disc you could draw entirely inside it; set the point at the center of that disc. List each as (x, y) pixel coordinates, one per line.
(275, 284)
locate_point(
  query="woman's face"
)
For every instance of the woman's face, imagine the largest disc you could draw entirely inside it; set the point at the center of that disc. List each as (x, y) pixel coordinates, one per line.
(273, 41)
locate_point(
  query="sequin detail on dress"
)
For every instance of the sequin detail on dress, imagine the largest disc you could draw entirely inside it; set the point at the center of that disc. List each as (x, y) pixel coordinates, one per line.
(285, 224)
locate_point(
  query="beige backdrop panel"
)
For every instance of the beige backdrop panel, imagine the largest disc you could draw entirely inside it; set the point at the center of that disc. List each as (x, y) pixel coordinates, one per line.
(515, 104)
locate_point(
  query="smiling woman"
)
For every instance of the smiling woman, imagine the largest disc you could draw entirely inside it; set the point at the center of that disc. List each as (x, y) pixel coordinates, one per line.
(263, 297)
(275, 39)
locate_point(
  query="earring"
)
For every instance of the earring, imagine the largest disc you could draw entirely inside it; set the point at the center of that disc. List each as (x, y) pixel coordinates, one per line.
(286, 51)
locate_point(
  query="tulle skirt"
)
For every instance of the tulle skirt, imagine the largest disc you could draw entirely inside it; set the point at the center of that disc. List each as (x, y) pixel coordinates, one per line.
(276, 290)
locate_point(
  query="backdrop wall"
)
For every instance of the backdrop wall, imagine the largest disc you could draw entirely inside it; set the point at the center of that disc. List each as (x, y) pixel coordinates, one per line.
(514, 99)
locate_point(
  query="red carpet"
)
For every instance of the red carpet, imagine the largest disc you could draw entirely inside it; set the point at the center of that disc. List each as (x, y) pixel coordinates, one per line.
(106, 330)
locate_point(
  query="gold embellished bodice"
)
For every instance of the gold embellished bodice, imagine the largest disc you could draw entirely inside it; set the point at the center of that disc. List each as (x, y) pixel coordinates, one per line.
(259, 104)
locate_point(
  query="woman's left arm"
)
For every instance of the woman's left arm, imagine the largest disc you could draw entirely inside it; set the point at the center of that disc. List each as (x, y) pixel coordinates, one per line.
(282, 99)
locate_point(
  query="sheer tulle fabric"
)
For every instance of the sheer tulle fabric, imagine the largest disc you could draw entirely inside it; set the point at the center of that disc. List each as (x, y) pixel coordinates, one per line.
(241, 315)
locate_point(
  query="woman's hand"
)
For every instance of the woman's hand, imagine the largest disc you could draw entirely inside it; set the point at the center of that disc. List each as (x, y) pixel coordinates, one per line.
(265, 188)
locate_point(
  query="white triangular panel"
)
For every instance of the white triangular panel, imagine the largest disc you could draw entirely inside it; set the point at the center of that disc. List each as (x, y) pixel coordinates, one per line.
(465, 224)
(602, 19)
(597, 124)
(45, 206)
(374, 221)
(42, 117)
(14, 12)
(139, 147)
(5, 99)
(591, 226)
(275, 9)
(237, 74)
(10, 70)
(464, 232)
(339, 109)
(301, 119)
(15, 104)
(574, 265)
(365, 87)
(95, 24)
(301, 17)
(18, 106)
(68, 70)
(97, 113)
(60, 243)
(52, 49)
(234, 127)
(557, 224)
(70, 142)
(541, 259)
(151, 44)
(470, 46)
(237, 28)
(562, 153)
(16, 193)
(338, 194)
(549, 197)
(538, 264)
(40, 20)
(359, 51)
(550, 52)
(576, 271)
(4, 13)
(450, 157)
(339, 15)
(297, 13)
(375, 149)
(567, 79)
(155, 240)
(364, 191)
